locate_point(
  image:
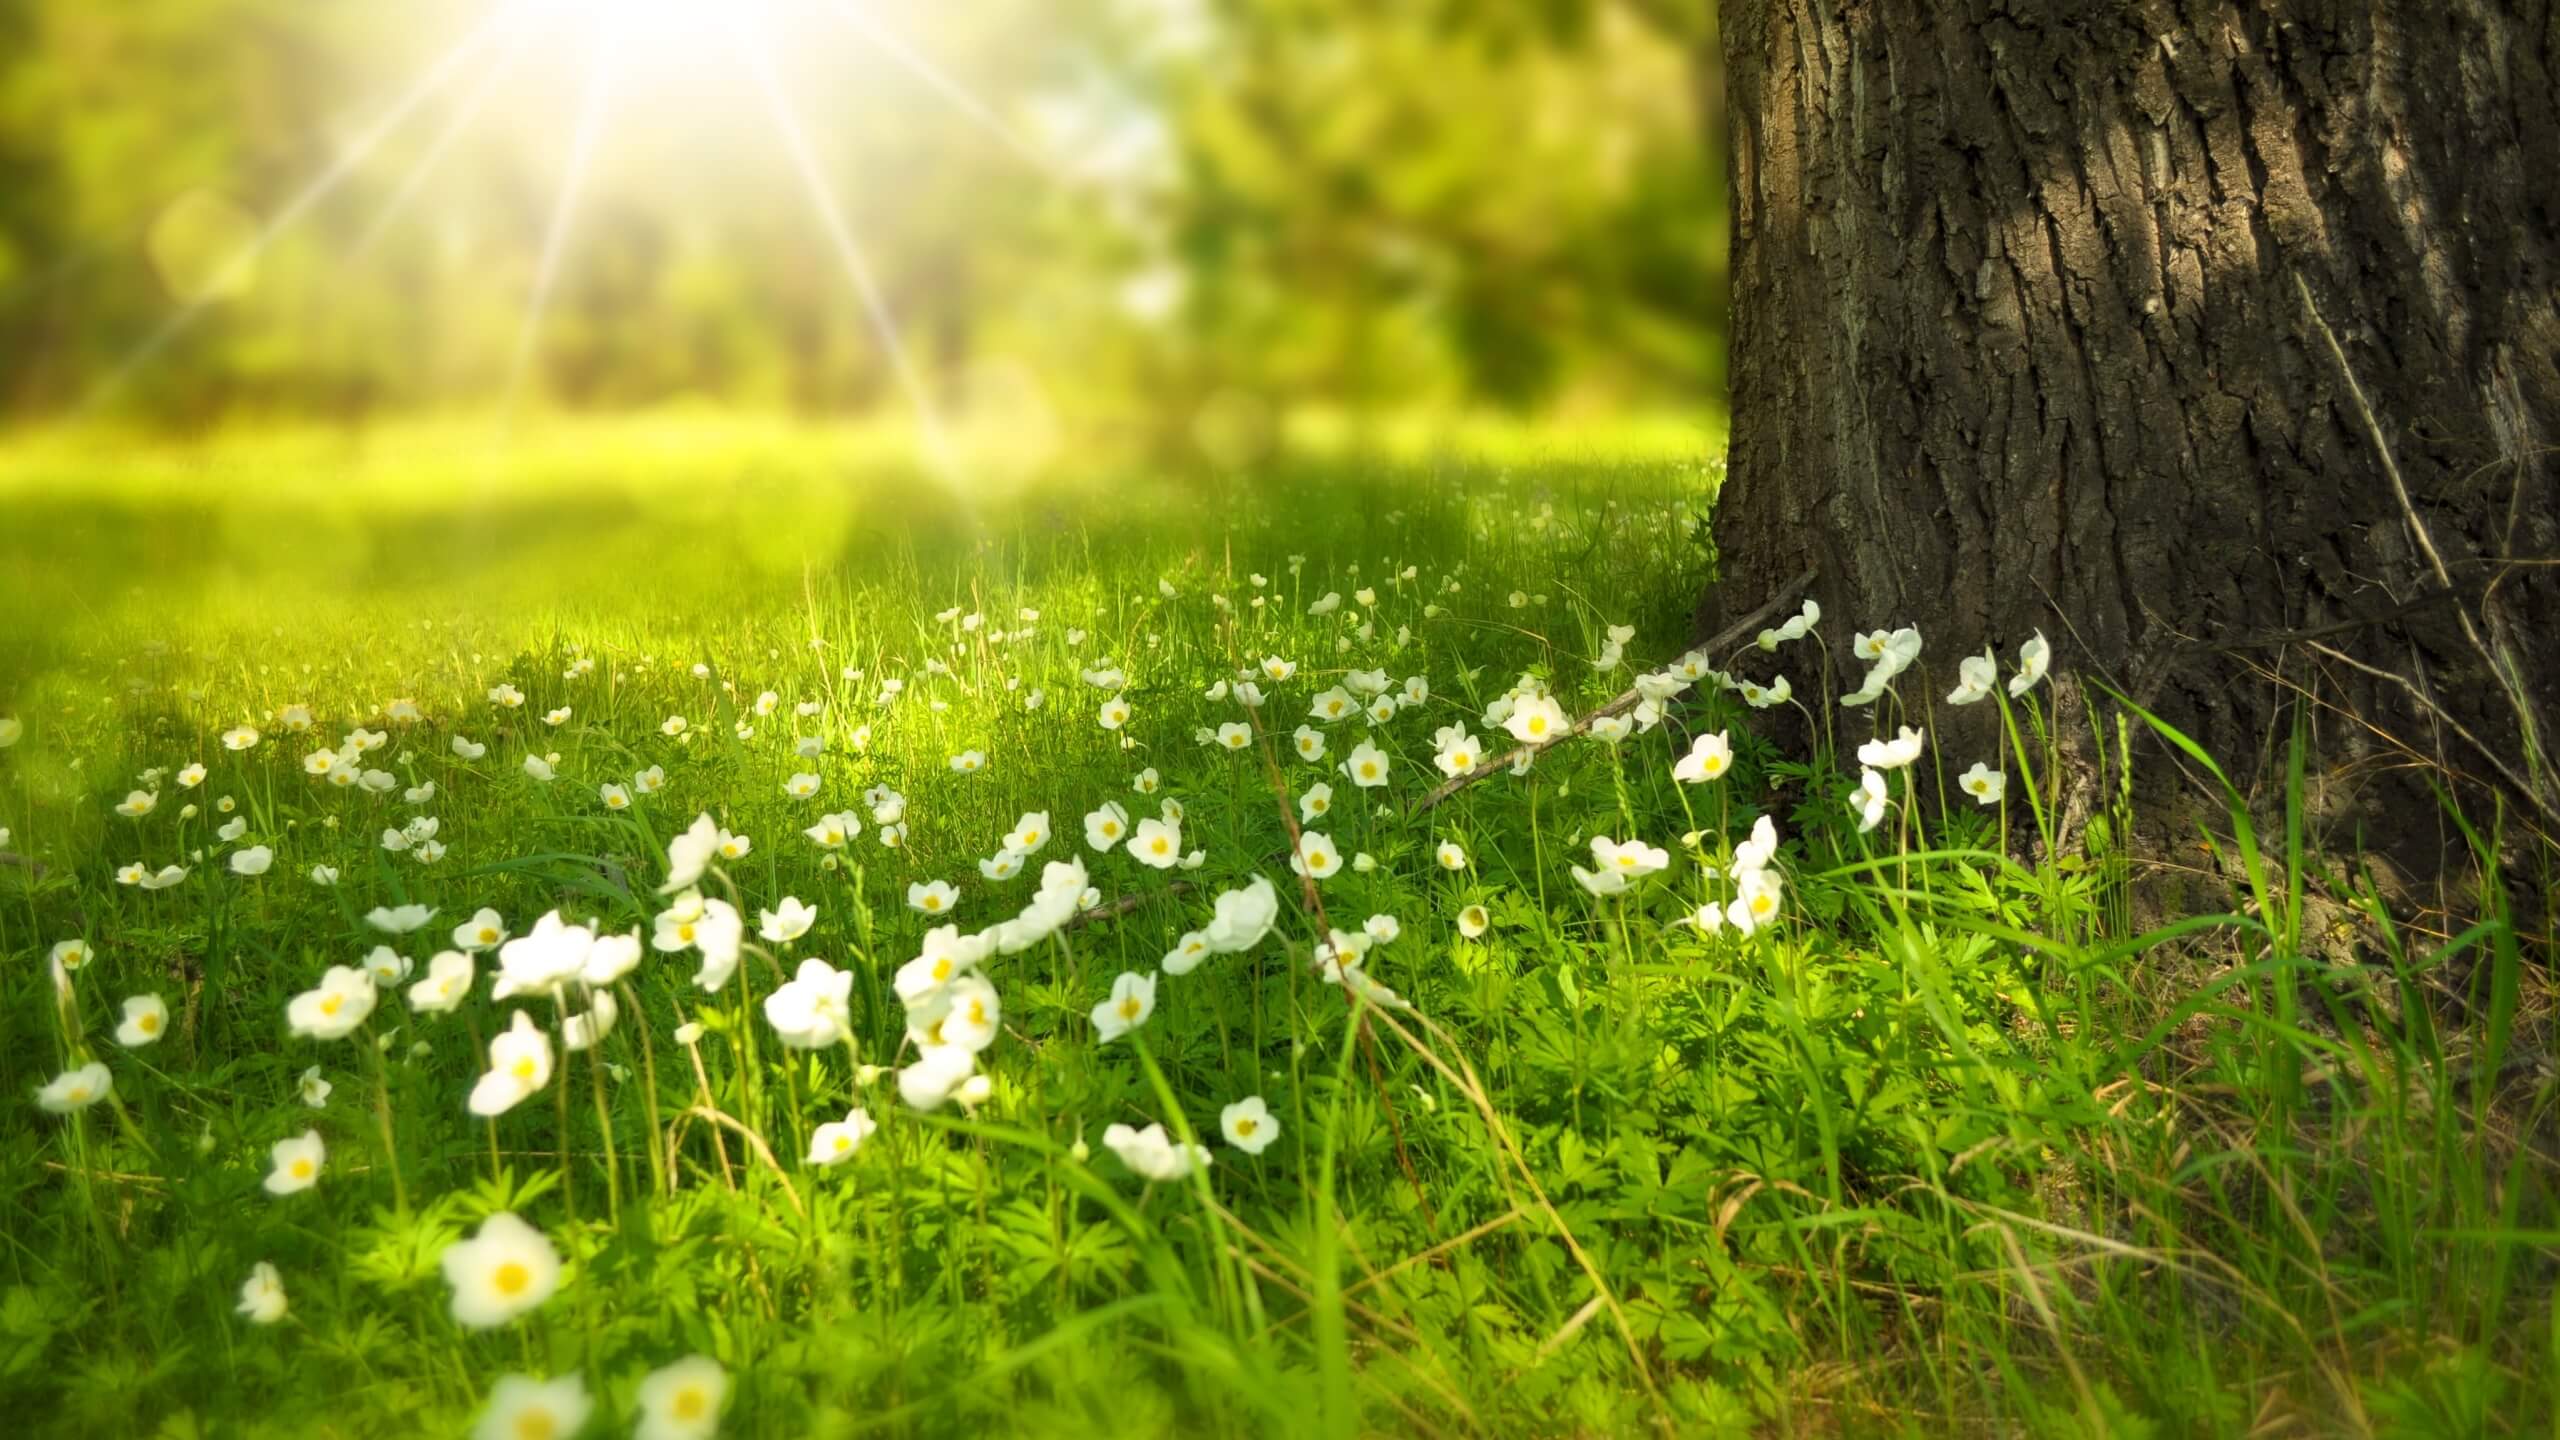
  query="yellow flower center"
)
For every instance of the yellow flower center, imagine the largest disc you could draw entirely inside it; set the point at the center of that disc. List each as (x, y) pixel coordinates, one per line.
(512, 1279)
(301, 1169)
(844, 1142)
(1129, 1009)
(685, 933)
(1368, 771)
(690, 1403)
(1160, 846)
(147, 1023)
(525, 1068)
(1247, 1126)
(1760, 904)
(536, 1425)
(329, 1004)
(933, 902)
(488, 936)
(942, 969)
(1537, 725)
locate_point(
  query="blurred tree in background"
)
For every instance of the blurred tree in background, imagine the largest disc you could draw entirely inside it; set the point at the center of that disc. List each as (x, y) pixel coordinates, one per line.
(1144, 214)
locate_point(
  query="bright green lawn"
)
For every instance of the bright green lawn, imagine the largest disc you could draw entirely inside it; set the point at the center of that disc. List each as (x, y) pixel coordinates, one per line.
(1947, 1148)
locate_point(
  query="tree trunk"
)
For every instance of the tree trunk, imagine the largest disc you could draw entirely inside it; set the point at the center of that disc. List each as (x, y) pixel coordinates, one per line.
(2029, 309)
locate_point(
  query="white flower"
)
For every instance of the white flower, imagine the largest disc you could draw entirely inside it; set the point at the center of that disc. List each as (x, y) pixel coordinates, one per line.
(505, 1270)
(1755, 853)
(933, 897)
(387, 966)
(1708, 758)
(344, 998)
(1276, 669)
(1115, 713)
(1536, 719)
(1983, 783)
(1631, 858)
(523, 1408)
(1133, 999)
(1309, 742)
(801, 786)
(833, 831)
(1975, 675)
(1234, 735)
(1106, 827)
(539, 768)
(1366, 765)
(812, 1010)
(240, 737)
(314, 1088)
(1756, 902)
(254, 860)
(541, 961)
(1869, 800)
(1451, 855)
(485, 930)
(1316, 858)
(506, 696)
(1610, 729)
(610, 958)
(968, 762)
(468, 749)
(614, 797)
(935, 1076)
(146, 1019)
(682, 1401)
(296, 1163)
(137, 804)
(922, 983)
(519, 1066)
(1186, 954)
(1458, 752)
(192, 776)
(1241, 918)
(1892, 754)
(1601, 882)
(448, 981)
(1474, 921)
(787, 923)
(324, 875)
(76, 1089)
(1249, 1125)
(1157, 844)
(2033, 658)
(1152, 1154)
(690, 853)
(262, 1294)
(398, 920)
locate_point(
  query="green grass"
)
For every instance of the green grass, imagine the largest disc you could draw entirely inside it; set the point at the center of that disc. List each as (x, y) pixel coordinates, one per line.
(1952, 1146)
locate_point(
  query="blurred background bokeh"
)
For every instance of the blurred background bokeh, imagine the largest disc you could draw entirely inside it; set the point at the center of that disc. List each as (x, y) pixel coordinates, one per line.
(1187, 226)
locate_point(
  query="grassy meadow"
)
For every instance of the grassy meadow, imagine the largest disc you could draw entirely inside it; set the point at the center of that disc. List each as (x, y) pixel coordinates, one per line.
(1582, 1102)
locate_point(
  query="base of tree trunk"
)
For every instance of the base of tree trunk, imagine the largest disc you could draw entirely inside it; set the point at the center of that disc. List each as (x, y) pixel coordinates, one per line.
(2217, 340)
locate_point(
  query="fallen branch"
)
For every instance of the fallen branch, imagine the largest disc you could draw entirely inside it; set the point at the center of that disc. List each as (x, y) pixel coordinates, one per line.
(1750, 624)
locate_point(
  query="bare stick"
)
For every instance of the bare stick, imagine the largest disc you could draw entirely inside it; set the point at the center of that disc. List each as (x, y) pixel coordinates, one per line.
(1730, 635)
(2499, 660)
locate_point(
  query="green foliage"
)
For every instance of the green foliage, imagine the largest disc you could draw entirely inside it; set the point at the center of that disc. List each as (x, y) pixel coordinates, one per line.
(1950, 1147)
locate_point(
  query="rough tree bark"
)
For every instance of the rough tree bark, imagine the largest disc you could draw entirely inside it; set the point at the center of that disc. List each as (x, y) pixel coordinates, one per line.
(2023, 339)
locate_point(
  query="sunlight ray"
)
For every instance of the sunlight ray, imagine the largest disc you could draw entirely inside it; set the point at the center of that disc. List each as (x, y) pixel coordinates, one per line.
(454, 127)
(891, 44)
(822, 197)
(428, 84)
(592, 103)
